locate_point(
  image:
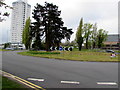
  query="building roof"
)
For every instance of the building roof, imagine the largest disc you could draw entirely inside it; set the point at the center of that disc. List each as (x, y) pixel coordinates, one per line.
(23, 1)
(112, 38)
(110, 43)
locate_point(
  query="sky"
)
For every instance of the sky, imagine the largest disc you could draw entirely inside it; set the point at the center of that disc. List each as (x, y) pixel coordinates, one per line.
(102, 12)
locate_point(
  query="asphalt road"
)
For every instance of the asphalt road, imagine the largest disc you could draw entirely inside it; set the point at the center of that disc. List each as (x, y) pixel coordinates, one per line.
(61, 73)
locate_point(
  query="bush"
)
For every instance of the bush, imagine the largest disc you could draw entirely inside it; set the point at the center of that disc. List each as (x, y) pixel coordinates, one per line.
(35, 52)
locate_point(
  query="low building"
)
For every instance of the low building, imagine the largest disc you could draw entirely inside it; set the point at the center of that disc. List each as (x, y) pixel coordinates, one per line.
(18, 46)
(112, 42)
(1, 46)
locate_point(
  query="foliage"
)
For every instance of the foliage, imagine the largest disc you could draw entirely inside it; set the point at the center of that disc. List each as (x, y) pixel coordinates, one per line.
(49, 24)
(6, 45)
(79, 38)
(73, 43)
(101, 37)
(26, 38)
(4, 14)
(37, 45)
(87, 34)
(39, 52)
(94, 36)
(66, 43)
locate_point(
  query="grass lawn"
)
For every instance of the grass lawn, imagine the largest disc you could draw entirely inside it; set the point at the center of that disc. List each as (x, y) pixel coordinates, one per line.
(4, 50)
(74, 55)
(8, 83)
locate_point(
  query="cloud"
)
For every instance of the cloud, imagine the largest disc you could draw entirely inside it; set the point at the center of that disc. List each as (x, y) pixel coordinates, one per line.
(102, 12)
(110, 25)
(5, 30)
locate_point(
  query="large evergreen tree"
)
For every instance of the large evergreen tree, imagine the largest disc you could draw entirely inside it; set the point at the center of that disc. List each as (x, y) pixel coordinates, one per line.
(79, 38)
(49, 24)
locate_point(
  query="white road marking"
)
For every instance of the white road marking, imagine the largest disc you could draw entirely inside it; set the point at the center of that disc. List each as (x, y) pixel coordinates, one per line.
(34, 79)
(70, 82)
(106, 83)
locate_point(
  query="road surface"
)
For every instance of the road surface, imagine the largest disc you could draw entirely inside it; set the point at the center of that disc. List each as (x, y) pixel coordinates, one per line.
(51, 73)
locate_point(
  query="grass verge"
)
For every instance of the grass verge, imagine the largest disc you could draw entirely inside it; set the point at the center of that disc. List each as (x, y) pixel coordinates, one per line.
(10, 84)
(4, 50)
(74, 55)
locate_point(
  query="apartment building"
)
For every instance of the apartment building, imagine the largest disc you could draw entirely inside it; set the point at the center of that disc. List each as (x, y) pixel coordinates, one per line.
(21, 11)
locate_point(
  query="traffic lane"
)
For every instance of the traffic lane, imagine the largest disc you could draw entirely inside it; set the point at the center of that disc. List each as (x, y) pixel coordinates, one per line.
(53, 71)
(71, 66)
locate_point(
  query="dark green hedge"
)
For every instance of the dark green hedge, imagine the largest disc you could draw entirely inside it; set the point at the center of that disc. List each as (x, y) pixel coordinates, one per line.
(31, 52)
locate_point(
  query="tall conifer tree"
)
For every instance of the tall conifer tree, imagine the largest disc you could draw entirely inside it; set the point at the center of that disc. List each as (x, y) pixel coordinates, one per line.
(79, 38)
(49, 24)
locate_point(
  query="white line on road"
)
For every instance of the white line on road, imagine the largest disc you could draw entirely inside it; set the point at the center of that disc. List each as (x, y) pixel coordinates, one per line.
(106, 83)
(34, 79)
(70, 82)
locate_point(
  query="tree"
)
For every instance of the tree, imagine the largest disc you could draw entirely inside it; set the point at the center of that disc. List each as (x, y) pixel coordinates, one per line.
(87, 33)
(94, 36)
(79, 38)
(6, 45)
(101, 37)
(66, 43)
(4, 14)
(73, 43)
(26, 38)
(49, 24)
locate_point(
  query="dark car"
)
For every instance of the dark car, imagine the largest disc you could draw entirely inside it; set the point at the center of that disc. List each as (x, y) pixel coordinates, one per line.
(110, 51)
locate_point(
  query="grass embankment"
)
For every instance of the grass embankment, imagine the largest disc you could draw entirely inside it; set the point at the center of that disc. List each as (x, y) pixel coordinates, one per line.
(8, 83)
(4, 50)
(74, 55)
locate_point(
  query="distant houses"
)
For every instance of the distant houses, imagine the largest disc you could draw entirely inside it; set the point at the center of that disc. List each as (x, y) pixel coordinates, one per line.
(112, 42)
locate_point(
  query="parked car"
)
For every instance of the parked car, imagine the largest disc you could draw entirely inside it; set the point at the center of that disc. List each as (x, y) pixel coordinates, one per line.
(9, 48)
(110, 51)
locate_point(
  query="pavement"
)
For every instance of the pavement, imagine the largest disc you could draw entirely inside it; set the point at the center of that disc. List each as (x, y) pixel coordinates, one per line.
(53, 73)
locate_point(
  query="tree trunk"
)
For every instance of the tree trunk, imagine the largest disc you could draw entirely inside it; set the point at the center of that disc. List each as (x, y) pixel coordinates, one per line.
(80, 48)
(86, 45)
(47, 41)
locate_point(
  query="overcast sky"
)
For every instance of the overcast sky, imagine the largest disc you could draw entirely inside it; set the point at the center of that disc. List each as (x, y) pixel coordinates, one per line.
(102, 12)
